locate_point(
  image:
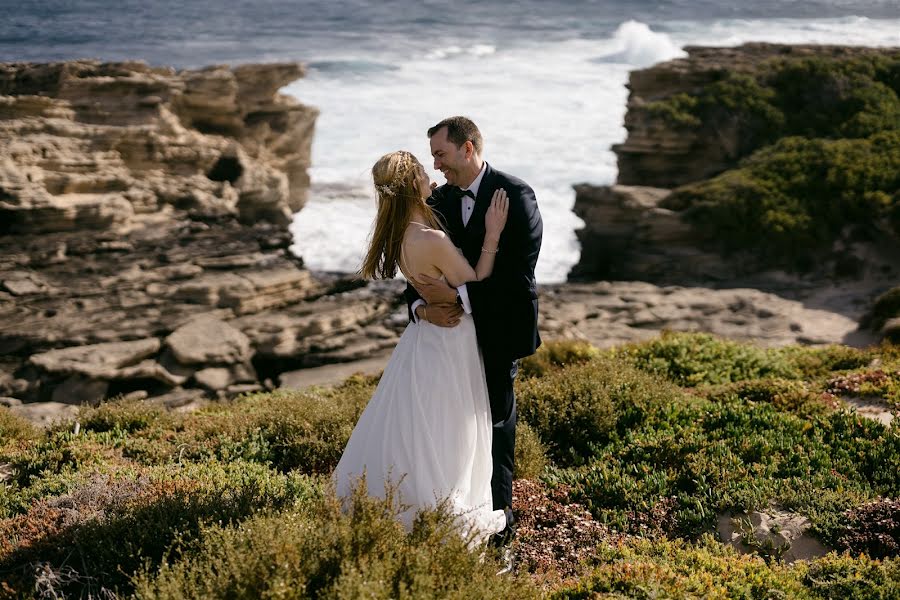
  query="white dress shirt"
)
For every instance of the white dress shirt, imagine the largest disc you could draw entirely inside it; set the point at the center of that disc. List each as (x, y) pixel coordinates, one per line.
(467, 206)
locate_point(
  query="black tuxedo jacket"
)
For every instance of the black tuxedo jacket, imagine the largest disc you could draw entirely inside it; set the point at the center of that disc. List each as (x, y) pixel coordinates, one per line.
(505, 305)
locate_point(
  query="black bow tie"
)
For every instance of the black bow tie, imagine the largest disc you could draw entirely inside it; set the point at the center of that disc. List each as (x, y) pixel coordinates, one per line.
(468, 193)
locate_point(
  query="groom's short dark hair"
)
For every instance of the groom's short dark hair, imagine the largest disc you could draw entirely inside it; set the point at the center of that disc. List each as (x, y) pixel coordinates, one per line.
(459, 131)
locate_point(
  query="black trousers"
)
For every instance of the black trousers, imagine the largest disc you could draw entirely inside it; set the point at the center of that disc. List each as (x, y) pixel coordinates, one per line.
(500, 375)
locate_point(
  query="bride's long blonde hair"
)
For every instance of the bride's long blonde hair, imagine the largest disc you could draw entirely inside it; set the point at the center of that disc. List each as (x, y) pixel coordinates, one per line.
(398, 178)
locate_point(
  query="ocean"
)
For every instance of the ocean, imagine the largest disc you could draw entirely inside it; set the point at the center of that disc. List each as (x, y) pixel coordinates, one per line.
(544, 80)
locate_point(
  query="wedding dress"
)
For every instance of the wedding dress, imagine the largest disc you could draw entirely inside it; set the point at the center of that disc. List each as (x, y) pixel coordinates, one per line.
(427, 430)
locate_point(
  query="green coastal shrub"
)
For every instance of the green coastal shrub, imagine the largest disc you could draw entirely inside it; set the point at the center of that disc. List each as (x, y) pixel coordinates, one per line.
(734, 455)
(696, 359)
(735, 101)
(813, 362)
(815, 97)
(554, 354)
(207, 503)
(578, 408)
(125, 415)
(675, 569)
(321, 552)
(62, 451)
(794, 197)
(290, 430)
(816, 147)
(885, 307)
(788, 395)
(860, 578)
(831, 98)
(692, 359)
(530, 455)
(14, 430)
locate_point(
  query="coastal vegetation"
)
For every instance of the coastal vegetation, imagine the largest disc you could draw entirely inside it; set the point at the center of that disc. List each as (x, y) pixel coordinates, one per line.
(637, 450)
(816, 149)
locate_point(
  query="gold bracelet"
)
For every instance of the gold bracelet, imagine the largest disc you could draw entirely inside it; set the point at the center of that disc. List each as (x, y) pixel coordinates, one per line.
(483, 249)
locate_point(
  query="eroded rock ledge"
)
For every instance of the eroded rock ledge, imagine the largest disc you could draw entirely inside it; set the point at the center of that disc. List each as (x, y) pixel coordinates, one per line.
(89, 145)
(143, 235)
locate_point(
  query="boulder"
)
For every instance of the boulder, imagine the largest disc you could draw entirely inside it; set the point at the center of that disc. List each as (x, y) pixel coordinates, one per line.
(206, 340)
(774, 532)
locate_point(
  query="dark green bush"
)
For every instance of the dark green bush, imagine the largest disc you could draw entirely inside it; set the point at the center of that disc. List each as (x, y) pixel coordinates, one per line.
(814, 97)
(793, 198)
(836, 98)
(577, 408)
(816, 147)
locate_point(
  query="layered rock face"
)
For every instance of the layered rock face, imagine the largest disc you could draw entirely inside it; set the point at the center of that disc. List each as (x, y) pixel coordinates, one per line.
(143, 235)
(632, 229)
(88, 145)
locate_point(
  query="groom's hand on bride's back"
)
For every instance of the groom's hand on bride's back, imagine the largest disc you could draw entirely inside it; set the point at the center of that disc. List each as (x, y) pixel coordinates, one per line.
(441, 314)
(433, 290)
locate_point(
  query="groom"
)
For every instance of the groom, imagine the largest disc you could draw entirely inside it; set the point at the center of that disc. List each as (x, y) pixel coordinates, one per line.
(505, 305)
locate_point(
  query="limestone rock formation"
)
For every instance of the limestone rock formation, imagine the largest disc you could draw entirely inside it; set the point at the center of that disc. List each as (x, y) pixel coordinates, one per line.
(629, 236)
(90, 145)
(143, 242)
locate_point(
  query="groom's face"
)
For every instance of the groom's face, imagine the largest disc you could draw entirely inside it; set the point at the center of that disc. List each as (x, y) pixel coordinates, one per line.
(448, 158)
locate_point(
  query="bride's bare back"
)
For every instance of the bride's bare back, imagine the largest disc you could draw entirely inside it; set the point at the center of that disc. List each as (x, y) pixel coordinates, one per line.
(426, 251)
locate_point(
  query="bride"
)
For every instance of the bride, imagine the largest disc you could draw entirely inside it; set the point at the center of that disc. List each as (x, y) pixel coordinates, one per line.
(427, 429)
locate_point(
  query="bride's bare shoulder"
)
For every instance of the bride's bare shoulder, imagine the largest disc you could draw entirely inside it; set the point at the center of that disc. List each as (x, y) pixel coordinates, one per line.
(429, 237)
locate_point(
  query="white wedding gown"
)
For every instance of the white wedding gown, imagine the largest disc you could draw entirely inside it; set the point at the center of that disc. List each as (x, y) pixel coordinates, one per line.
(427, 430)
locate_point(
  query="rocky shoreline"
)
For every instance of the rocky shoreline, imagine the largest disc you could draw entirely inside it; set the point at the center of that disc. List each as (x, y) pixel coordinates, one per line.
(144, 249)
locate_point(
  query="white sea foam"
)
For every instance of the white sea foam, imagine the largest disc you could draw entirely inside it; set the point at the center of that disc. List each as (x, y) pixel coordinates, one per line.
(549, 112)
(635, 44)
(454, 51)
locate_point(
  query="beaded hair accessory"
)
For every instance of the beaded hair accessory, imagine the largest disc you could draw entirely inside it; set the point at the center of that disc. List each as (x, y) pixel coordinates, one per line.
(403, 168)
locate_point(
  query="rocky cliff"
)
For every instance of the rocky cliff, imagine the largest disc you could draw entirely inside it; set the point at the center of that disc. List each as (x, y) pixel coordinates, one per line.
(143, 235)
(744, 163)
